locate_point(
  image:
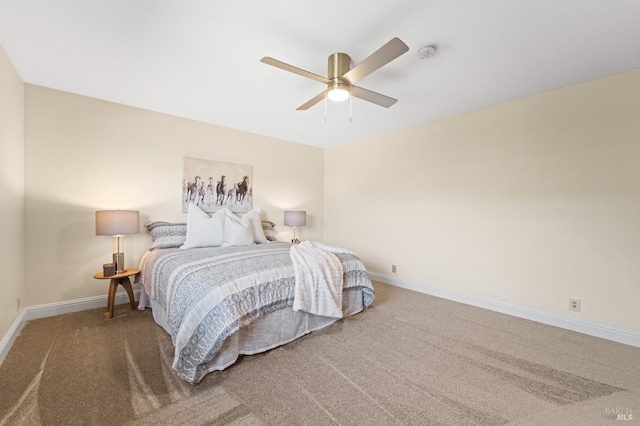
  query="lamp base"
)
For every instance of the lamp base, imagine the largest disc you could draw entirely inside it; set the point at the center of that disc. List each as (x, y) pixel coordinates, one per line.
(295, 241)
(118, 261)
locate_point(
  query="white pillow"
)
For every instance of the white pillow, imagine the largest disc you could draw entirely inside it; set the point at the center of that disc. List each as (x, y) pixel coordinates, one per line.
(202, 230)
(253, 218)
(236, 232)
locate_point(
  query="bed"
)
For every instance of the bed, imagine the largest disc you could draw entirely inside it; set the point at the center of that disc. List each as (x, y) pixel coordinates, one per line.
(218, 303)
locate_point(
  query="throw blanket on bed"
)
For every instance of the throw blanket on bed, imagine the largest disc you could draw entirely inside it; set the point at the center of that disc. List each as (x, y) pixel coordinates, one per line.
(319, 278)
(210, 293)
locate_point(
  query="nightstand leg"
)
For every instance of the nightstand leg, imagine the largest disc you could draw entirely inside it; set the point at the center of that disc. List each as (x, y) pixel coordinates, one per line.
(112, 296)
(126, 283)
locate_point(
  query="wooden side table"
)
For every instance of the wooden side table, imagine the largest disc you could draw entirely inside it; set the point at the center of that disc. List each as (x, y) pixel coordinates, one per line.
(118, 279)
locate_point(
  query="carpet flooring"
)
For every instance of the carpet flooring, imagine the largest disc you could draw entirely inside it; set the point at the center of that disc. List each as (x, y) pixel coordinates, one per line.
(410, 359)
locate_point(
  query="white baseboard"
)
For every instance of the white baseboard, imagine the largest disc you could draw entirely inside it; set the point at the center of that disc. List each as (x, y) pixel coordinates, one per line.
(11, 335)
(592, 328)
(53, 309)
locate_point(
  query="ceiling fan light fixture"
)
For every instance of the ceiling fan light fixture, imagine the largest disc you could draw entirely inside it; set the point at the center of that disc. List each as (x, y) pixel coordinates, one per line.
(338, 92)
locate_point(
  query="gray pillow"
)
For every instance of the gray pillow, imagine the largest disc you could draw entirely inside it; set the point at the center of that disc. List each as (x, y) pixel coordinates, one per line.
(167, 235)
(267, 228)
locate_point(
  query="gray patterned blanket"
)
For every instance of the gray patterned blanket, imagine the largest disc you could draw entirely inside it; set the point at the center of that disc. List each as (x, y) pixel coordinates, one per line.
(210, 293)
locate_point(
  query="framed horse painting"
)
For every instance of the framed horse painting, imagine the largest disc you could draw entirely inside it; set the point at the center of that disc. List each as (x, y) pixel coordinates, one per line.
(212, 185)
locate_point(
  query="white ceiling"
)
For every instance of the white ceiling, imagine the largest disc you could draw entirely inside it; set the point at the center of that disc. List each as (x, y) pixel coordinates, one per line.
(201, 59)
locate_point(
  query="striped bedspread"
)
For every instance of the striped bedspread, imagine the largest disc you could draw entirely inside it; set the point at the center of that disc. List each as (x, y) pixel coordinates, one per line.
(210, 293)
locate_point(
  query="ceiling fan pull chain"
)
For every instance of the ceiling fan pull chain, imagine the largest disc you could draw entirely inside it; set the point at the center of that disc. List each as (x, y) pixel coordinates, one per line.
(325, 106)
(350, 108)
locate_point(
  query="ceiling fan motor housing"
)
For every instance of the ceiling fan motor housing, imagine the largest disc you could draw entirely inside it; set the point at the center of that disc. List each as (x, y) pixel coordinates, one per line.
(339, 65)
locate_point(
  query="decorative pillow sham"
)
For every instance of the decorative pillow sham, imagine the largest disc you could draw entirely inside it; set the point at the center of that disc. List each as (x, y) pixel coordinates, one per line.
(167, 234)
(202, 230)
(267, 229)
(253, 219)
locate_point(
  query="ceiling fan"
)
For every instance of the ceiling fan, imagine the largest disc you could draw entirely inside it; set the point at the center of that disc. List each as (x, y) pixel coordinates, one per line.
(341, 77)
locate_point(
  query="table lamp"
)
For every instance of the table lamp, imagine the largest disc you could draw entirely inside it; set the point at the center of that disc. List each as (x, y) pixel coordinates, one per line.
(295, 218)
(117, 223)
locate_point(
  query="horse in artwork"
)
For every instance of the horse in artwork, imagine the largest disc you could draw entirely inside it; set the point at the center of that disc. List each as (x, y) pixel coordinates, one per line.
(231, 195)
(242, 188)
(202, 192)
(221, 190)
(209, 193)
(192, 189)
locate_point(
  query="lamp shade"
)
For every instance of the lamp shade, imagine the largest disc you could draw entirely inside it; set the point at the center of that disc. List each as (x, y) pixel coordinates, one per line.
(295, 218)
(117, 222)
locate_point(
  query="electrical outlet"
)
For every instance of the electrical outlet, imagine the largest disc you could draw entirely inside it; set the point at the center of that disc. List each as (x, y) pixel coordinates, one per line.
(574, 305)
(18, 304)
(393, 268)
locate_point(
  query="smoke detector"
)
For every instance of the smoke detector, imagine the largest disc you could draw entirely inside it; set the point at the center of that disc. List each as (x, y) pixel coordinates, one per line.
(427, 52)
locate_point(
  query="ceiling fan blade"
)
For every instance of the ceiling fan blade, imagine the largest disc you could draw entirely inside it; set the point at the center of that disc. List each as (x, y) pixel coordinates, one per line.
(372, 97)
(377, 59)
(311, 102)
(279, 64)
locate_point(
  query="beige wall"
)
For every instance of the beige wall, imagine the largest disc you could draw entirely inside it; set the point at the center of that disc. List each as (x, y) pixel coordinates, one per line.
(12, 258)
(530, 202)
(83, 155)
